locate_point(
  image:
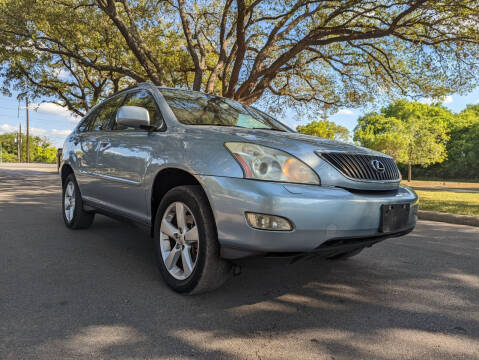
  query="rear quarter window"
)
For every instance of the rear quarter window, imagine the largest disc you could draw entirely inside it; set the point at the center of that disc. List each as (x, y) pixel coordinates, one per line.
(85, 122)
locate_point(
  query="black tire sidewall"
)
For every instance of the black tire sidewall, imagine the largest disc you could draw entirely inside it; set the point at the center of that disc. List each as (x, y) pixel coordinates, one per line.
(81, 219)
(193, 200)
(70, 179)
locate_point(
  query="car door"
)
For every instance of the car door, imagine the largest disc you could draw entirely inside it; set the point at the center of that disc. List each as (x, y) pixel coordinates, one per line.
(124, 159)
(91, 142)
(85, 155)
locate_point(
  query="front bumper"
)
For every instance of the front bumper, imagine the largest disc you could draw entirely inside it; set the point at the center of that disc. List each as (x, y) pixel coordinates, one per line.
(318, 213)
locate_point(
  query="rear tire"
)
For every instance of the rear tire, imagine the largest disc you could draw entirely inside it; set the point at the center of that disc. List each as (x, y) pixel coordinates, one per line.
(186, 242)
(72, 205)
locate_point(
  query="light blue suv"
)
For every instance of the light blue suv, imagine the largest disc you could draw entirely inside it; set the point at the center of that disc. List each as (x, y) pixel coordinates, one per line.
(216, 180)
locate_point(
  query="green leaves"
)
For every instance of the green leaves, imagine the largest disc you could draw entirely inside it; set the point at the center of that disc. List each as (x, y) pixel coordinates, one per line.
(325, 129)
(462, 148)
(427, 136)
(40, 149)
(322, 55)
(410, 132)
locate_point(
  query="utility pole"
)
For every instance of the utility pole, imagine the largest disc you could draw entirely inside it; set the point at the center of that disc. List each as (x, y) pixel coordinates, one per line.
(19, 135)
(28, 132)
(19, 143)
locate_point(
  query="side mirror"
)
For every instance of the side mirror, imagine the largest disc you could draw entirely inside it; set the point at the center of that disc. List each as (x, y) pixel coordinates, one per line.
(133, 116)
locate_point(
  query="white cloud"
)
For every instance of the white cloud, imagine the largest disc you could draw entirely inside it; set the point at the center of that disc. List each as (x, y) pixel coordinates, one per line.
(37, 131)
(428, 101)
(345, 112)
(55, 136)
(5, 128)
(50, 108)
(33, 130)
(447, 99)
(61, 132)
(62, 74)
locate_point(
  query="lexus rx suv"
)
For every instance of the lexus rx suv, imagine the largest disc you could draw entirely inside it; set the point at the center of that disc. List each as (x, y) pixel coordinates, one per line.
(215, 180)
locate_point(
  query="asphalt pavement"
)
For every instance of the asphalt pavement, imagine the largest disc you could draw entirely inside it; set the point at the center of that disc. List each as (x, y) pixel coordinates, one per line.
(96, 294)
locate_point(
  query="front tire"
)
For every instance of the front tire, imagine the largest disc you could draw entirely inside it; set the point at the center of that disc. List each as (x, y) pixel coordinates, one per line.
(72, 205)
(186, 242)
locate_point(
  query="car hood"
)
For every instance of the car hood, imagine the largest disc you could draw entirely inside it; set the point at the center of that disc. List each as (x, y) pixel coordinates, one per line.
(304, 147)
(290, 142)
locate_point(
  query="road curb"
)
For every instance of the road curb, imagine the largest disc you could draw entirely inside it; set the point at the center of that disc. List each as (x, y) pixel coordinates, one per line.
(456, 190)
(448, 218)
(26, 165)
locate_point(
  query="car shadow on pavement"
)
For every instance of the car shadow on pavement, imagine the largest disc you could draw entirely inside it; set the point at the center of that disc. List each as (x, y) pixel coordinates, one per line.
(97, 294)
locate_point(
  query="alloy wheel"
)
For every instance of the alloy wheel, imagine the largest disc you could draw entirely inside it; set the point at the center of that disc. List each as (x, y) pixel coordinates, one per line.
(69, 201)
(179, 240)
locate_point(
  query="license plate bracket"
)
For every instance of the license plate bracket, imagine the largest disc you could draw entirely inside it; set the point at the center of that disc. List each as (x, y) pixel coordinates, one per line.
(394, 217)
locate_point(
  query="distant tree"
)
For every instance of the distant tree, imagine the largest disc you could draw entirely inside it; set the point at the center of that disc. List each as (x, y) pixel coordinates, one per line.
(44, 152)
(40, 149)
(463, 146)
(462, 149)
(463, 153)
(325, 129)
(469, 115)
(411, 132)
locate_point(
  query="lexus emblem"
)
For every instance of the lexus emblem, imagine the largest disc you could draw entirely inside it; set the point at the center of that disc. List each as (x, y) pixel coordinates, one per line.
(378, 166)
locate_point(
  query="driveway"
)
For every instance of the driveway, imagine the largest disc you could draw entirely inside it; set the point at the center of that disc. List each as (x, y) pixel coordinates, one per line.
(96, 294)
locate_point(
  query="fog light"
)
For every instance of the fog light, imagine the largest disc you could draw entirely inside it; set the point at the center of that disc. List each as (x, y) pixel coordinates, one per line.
(268, 222)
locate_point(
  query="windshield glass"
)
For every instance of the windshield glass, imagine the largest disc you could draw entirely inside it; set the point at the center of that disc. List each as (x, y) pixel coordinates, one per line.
(195, 108)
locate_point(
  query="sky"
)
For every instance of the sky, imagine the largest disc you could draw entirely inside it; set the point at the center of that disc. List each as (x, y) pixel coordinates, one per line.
(55, 123)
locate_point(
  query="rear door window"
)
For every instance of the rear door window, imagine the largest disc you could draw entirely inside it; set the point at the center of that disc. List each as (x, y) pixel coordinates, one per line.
(85, 123)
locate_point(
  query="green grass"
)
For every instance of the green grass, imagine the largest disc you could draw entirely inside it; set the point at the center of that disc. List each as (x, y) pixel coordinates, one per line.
(442, 184)
(449, 202)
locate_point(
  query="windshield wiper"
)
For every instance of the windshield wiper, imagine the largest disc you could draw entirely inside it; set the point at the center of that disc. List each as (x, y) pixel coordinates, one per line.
(241, 127)
(272, 129)
(226, 125)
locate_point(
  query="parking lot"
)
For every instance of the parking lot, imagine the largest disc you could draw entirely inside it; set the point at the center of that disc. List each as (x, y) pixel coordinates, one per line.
(96, 294)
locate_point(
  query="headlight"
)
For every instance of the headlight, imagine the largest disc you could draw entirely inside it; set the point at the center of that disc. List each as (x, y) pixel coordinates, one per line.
(264, 163)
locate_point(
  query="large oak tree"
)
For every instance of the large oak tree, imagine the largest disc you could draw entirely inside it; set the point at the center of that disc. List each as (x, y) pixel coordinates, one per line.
(323, 54)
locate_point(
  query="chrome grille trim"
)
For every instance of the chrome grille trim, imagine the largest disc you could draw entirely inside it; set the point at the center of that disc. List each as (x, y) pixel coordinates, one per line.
(358, 166)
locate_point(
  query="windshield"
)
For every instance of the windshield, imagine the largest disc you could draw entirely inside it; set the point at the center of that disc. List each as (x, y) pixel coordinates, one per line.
(195, 108)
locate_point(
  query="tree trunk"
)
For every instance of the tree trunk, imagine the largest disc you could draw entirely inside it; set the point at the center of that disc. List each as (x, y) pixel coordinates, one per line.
(198, 79)
(409, 172)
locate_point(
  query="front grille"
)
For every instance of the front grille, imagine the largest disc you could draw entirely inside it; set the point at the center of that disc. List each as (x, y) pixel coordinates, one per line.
(360, 167)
